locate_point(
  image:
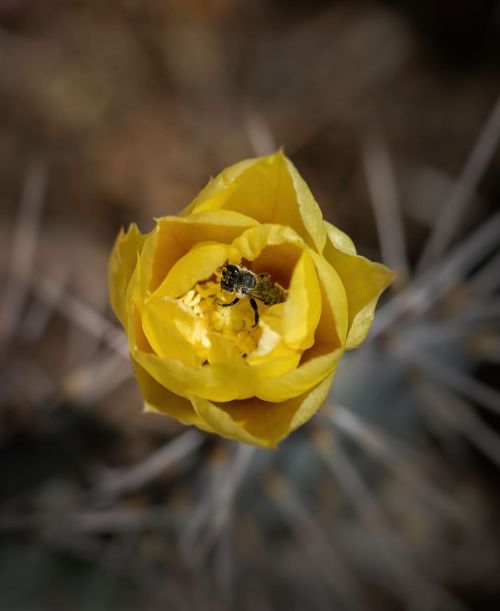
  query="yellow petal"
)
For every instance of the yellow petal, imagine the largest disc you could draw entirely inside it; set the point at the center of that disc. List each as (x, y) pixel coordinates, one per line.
(251, 372)
(339, 239)
(220, 380)
(159, 399)
(197, 265)
(275, 363)
(299, 380)
(269, 341)
(270, 190)
(322, 358)
(258, 422)
(273, 318)
(121, 266)
(223, 350)
(218, 185)
(253, 241)
(364, 281)
(170, 330)
(209, 381)
(310, 211)
(332, 325)
(302, 308)
(274, 249)
(173, 237)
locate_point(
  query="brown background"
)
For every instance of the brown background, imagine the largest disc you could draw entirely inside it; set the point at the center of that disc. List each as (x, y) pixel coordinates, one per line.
(117, 112)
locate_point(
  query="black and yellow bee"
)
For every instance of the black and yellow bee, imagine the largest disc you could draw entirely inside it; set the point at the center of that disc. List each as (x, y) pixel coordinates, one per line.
(246, 283)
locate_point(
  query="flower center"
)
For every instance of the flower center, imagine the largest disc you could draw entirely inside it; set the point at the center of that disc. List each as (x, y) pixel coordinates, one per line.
(235, 323)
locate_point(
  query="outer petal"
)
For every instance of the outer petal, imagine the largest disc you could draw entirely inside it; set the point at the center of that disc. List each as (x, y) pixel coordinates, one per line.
(364, 281)
(121, 266)
(218, 184)
(339, 239)
(257, 422)
(270, 190)
(159, 399)
(310, 211)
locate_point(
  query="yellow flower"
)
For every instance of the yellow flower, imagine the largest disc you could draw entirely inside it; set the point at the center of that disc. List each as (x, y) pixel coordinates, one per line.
(211, 366)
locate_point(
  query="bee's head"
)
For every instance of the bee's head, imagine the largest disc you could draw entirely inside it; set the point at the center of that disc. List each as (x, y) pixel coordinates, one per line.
(230, 278)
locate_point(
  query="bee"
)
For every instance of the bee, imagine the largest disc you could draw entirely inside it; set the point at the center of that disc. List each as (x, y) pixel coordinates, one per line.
(244, 282)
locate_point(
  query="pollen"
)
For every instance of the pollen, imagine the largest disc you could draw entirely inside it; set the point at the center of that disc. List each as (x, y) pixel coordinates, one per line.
(234, 323)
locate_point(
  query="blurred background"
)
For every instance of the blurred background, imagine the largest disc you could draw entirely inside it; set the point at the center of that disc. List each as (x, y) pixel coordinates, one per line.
(117, 112)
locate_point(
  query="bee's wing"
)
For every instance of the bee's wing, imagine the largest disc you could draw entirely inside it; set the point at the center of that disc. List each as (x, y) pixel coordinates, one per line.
(265, 292)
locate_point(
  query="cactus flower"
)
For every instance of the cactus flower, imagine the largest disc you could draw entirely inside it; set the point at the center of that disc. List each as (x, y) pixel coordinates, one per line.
(226, 369)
